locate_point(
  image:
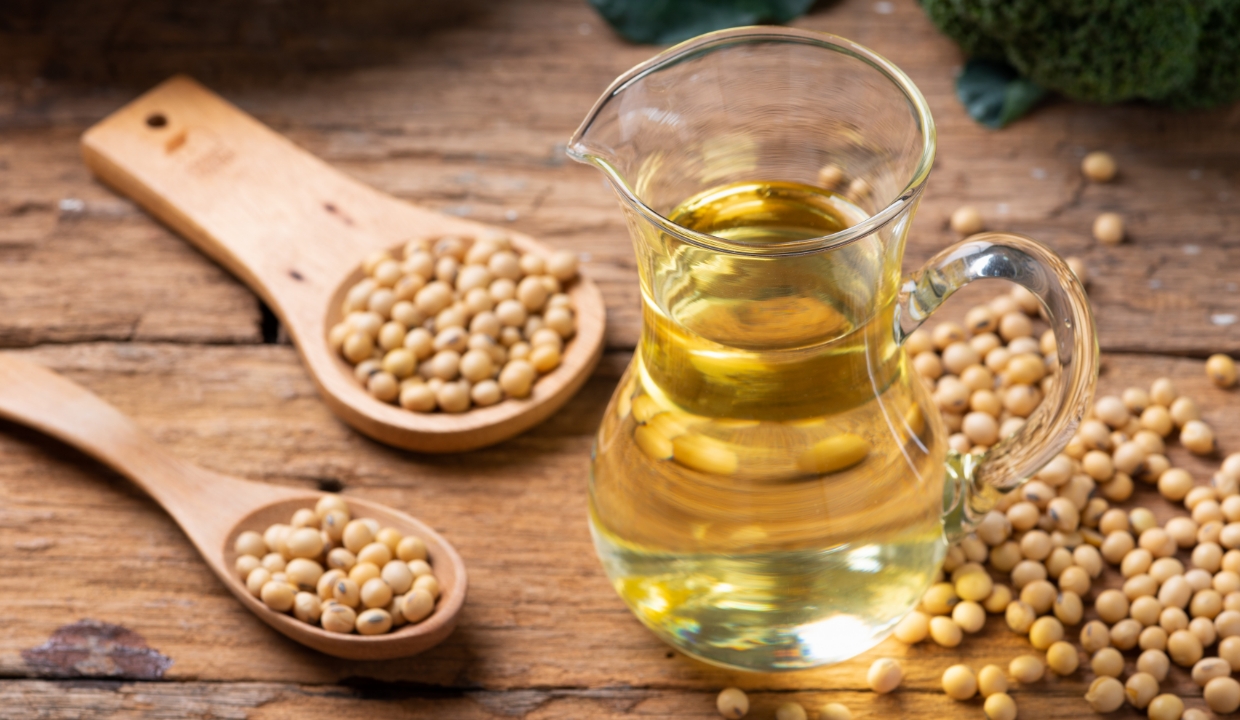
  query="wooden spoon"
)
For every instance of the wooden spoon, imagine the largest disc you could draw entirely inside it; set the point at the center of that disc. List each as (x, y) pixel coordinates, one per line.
(213, 509)
(296, 231)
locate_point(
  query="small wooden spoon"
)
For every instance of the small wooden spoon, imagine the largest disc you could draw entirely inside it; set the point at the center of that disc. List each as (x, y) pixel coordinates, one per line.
(296, 231)
(213, 509)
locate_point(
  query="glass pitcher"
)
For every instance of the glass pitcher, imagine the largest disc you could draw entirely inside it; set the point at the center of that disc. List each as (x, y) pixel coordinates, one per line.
(771, 483)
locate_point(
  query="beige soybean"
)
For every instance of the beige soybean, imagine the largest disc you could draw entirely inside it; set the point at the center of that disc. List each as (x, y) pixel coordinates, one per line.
(1045, 632)
(1026, 669)
(940, 599)
(884, 675)
(1062, 658)
(1142, 585)
(1229, 650)
(1175, 591)
(1207, 669)
(1095, 635)
(1222, 695)
(1068, 608)
(914, 628)
(1039, 595)
(1197, 437)
(274, 562)
(250, 543)
(1099, 166)
(1221, 370)
(1020, 617)
(245, 564)
(998, 599)
(1109, 228)
(303, 573)
(397, 576)
(1227, 624)
(966, 220)
(835, 711)
(1107, 661)
(1184, 648)
(1027, 571)
(338, 618)
(1126, 633)
(945, 632)
(991, 679)
(417, 605)
(970, 616)
(1059, 560)
(732, 703)
(959, 682)
(307, 607)
(1205, 631)
(1140, 689)
(999, 706)
(1166, 707)
(1154, 662)
(1172, 619)
(1152, 637)
(429, 583)
(1075, 579)
(374, 621)
(1105, 695)
(1005, 557)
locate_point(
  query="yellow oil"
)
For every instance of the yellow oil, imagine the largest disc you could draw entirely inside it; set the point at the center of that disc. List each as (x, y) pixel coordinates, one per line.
(768, 481)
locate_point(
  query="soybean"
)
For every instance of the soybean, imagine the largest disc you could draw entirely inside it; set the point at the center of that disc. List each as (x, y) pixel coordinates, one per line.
(361, 577)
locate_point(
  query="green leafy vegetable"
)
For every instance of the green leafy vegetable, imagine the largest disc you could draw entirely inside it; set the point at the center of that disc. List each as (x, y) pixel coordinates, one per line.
(670, 21)
(994, 94)
(1178, 52)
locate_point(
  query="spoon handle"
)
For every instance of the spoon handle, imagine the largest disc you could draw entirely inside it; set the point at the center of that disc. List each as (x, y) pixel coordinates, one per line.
(288, 224)
(204, 503)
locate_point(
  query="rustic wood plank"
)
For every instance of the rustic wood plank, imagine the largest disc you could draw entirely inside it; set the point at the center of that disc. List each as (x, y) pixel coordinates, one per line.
(472, 120)
(78, 263)
(72, 700)
(82, 543)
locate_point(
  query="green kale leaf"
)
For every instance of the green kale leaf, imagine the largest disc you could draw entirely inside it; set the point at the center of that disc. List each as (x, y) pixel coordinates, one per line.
(661, 22)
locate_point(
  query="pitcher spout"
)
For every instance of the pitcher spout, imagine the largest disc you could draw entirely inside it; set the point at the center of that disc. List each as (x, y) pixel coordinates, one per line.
(753, 105)
(605, 137)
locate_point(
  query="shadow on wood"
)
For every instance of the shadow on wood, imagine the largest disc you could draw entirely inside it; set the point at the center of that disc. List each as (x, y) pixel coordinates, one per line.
(232, 42)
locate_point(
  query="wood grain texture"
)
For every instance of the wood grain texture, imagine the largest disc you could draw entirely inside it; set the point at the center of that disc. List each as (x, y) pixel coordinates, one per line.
(78, 263)
(269, 701)
(214, 509)
(470, 120)
(295, 230)
(541, 615)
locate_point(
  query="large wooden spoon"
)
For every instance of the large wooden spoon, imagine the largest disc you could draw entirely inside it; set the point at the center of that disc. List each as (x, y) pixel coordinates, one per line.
(213, 509)
(296, 231)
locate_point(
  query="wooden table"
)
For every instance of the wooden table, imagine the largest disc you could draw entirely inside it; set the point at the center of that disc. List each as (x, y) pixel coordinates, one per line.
(471, 118)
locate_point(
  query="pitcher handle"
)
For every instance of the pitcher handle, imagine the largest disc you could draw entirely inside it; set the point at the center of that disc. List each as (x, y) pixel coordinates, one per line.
(1026, 262)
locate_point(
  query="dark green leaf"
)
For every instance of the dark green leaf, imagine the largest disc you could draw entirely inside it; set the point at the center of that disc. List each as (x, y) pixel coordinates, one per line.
(994, 94)
(670, 21)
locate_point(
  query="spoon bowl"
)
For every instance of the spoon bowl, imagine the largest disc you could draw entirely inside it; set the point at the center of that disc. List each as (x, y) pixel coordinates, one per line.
(400, 642)
(213, 509)
(480, 425)
(296, 231)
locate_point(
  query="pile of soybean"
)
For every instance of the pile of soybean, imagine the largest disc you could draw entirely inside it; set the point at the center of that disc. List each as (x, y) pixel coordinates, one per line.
(1038, 558)
(1054, 538)
(346, 574)
(456, 322)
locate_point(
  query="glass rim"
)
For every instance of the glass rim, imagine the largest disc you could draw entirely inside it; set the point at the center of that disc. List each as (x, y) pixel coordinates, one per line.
(710, 42)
